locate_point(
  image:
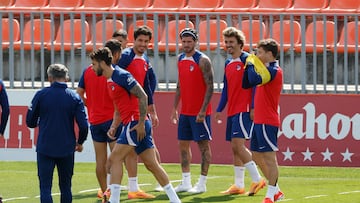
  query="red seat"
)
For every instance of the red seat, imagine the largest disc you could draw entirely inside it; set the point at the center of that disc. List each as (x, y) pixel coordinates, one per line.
(318, 40)
(6, 3)
(133, 5)
(166, 6)
(214, 28)
(342, 6)
(268, 6)
(235, 6)
(103, 32)
(96, 5)
(256, 32)
(173, 34)
(350, 38)
(59, 6)
(308, 6)
(201, 6)
(35, 29)
(21, 5)
(150, 24)
(6, 31)
(71, 31)
(287, 33)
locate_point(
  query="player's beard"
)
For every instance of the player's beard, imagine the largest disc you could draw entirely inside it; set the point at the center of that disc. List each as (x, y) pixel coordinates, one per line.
(99, 71)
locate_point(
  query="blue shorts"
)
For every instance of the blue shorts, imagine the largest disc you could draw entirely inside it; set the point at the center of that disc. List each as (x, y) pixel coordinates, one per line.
(189, 129)
(130, 138)
(99, 132)
(239, 126)
(264, 138)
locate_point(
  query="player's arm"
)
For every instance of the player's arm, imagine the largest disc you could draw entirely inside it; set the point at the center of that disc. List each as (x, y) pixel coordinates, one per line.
(208, 75)
(139, 92)
(5, 109)
(82, 122)
(149, 88)
(174, 117)
(223, 100)
(32, 116)
(81, 88)
(115, 124)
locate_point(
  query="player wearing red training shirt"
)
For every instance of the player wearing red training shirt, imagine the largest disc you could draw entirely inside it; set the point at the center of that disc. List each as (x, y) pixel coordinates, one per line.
(130, 102)
(267, 76)
(194, 89)
(239, 123)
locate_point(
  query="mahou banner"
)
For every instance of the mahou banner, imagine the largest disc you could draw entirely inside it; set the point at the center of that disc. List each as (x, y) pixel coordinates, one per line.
(319, 130)
(316, 130)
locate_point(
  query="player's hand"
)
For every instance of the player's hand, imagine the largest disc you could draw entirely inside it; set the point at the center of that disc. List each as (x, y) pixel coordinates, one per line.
(218, 117)
(200, 117)
(79, 148)
(140, 130)
(174, 117)
(111, 133)
(251, 114)
(154, 120)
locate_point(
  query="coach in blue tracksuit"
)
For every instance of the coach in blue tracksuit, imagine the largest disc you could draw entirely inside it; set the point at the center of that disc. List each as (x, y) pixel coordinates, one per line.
(54, 110)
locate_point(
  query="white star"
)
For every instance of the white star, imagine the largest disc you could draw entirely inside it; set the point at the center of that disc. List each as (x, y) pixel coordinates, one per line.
(327, 155)
(347, 155)
(288, 154)
(307, 154)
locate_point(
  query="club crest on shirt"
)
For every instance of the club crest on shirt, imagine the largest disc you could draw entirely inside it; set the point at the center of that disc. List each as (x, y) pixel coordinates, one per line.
(112, 87)
(191, 67)
(238, 67)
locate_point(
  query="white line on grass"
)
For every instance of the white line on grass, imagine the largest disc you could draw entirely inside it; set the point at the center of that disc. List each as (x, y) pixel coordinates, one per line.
(315, 196)
(344, 193)
(14, 198)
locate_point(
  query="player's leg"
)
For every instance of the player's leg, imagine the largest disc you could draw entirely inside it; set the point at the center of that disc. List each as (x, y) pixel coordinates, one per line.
(131, 162)
(65, 168)
(184, 137)
(202, 135)
(45, 165)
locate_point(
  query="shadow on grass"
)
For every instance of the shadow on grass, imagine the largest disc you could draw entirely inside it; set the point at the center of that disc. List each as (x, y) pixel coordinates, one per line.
(85, 196)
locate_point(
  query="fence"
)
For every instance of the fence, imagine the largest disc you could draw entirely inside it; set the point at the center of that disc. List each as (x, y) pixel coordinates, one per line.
(319, 53)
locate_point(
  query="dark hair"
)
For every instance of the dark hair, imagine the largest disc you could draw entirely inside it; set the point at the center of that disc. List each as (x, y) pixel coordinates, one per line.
(120, 33)
(102, 54)
(189, 32)
(233, 32)
(269, 45)
(58, 71)
(114, 45)
(143, 30)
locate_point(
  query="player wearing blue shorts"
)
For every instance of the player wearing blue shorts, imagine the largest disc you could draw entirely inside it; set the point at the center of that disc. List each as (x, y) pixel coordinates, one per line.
(130, 103)
(239, 123)
(268, 80)
(194, 89)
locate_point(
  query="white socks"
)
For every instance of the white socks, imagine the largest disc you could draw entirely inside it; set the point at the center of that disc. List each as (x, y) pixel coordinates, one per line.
(271, 192)
(202, 180)
(173, 197)
(133, 184)
(115, 193)
(253, 171)
(186, 178)
(239, 172)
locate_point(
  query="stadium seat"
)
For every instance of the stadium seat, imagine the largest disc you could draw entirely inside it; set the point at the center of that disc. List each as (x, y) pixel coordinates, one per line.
(166, 6)
(286, 33)
(96, 5)
(214, 28)
(201, 6)
(342, 6)
(318, 39)
(71, 30)
(350, 38)
(235, 6)
(107, 27)
(6, 32)
(6, 3)
(35, 28)
(133, 5)
(268, 6)
(308, 6)
(150, 24)
(57, 6)
(173, 34)
(257, 32)
(26, 5)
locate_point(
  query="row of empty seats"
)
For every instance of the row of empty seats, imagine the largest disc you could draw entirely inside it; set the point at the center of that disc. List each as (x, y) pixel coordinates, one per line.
(292, 6)
(74, 34)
